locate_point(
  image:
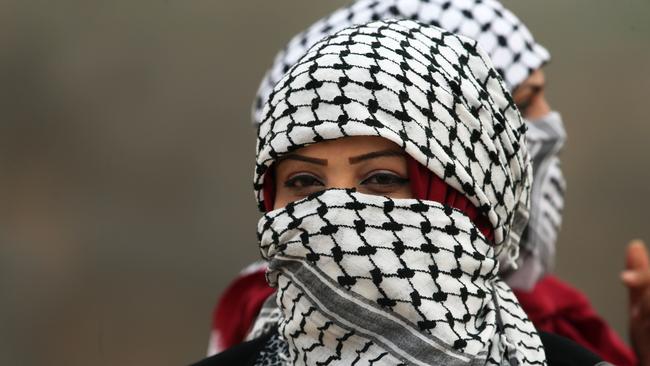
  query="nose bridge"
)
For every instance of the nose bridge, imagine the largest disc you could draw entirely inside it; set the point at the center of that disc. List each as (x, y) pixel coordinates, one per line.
(342, 177)
(342, 183)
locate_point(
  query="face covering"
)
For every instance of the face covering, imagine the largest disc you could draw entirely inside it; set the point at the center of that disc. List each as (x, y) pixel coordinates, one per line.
(364, 277)
(341, 261)
(545, 138)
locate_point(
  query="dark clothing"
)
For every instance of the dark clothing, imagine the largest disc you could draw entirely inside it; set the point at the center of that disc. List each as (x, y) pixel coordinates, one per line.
(560, 351)
(243, 354)
(552, 305)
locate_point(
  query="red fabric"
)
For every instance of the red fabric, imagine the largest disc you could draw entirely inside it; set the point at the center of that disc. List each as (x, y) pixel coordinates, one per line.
(555, 307)
(425, 185)
(238, 307)
(269, 189)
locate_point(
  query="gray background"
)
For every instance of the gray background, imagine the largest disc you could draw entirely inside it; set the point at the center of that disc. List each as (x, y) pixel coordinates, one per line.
(126, 158)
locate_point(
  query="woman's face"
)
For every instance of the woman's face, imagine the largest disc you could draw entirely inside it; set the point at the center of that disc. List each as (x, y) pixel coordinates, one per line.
(371, 164)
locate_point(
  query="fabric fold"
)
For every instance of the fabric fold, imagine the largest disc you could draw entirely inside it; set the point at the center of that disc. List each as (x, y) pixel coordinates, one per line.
(400, 281)
(365, 279)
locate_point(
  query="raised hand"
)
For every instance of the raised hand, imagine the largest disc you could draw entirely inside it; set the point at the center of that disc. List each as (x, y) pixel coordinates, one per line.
(636, 277)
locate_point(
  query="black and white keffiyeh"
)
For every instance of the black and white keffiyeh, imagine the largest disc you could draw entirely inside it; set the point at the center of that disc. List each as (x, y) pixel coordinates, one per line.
(508, 42)
(515, 55)
(366, 279)
(401, 282)
(545, 138)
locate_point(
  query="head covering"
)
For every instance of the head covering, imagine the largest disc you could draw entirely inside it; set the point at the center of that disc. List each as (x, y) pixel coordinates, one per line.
(369, 278)
(515, 55)
(499, 33)
(424, 89)
(510, 45)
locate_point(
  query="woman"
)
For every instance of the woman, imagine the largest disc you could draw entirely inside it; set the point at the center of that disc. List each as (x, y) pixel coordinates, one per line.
(364, 273)
(519, 59)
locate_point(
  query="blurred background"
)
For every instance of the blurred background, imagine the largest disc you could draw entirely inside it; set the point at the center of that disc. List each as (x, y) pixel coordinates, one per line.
(126, 156)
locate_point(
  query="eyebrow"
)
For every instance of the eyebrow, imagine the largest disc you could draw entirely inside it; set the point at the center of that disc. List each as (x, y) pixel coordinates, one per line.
(306, 159)
(374, 155)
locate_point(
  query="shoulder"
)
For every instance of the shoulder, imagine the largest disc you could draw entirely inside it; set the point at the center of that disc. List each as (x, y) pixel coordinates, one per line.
(561, 351)
(244, 354)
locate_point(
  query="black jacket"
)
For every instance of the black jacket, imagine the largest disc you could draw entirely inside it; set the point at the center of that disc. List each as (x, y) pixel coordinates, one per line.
(560, 351)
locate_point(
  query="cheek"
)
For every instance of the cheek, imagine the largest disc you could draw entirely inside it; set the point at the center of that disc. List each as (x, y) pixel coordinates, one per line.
(285, 195)
(403, 192)
(393, 192)
(282, 197)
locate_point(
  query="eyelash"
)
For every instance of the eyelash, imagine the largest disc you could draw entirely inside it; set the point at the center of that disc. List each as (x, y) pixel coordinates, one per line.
(302, 177)
(395, 179)
(308, 180)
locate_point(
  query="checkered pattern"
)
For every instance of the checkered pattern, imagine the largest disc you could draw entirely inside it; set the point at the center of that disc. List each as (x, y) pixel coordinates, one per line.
(415, 263)
(399, 281)
(507, 41)
(431, 92)
(515, 55)
(545, 138)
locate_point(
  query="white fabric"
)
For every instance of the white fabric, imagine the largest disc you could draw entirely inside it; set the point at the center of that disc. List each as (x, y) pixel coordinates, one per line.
(507, 41)
(514, 53)
(421, 272)
(545, 138)
(407, 282)
(354, 84)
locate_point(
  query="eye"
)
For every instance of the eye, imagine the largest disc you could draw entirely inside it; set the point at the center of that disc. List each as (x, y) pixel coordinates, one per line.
(303, 180)
(384, 181)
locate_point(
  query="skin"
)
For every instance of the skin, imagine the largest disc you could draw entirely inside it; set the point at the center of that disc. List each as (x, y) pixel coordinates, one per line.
(636, 277)
(530, 97)
(375, 165)
(345, 163)
(371, 164)
(532, 103)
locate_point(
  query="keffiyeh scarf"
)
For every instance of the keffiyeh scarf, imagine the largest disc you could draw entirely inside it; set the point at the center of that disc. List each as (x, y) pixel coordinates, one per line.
(514, 52)
(545, 138)
(515, 55)
(398, 282)
(371, 280)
